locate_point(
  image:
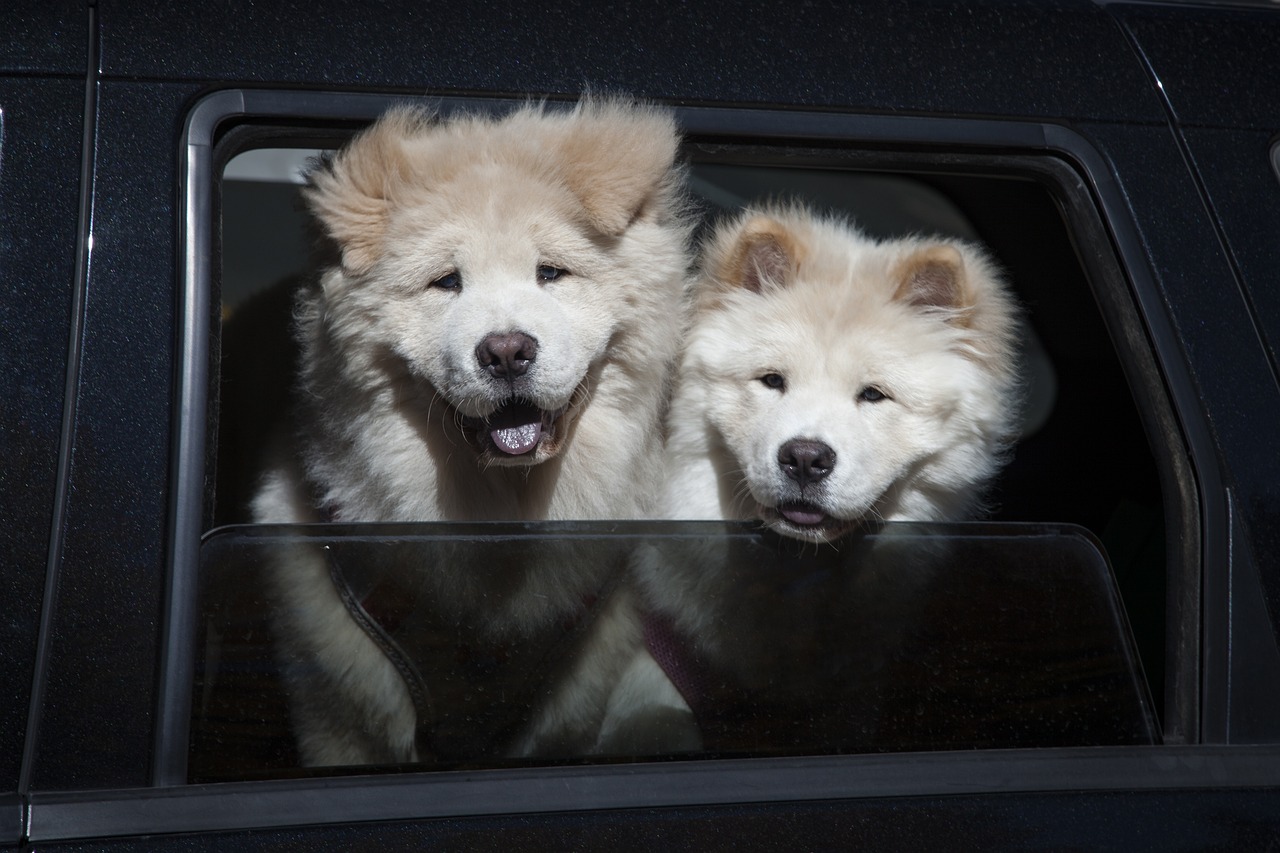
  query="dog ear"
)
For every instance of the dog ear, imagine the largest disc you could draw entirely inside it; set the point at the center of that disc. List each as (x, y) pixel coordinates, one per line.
(765, 254)
(934, 277)
(618, 156)
(348, 192)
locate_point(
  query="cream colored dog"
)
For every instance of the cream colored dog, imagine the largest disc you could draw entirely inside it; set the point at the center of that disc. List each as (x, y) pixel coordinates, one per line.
(493, 342)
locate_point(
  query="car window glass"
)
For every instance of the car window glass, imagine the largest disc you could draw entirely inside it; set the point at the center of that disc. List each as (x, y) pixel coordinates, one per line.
(910, 637)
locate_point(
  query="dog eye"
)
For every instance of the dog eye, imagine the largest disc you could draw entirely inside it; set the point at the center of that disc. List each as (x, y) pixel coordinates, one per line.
(546, 272)
(872, 394)
(448, 281)
(774, 380)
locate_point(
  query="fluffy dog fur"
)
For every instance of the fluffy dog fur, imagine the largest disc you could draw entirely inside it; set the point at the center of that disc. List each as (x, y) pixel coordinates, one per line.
(493, 342)
(828, 381)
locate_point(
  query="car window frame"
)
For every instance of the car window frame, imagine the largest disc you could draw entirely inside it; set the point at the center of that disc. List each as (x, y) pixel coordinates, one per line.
(1132, 307)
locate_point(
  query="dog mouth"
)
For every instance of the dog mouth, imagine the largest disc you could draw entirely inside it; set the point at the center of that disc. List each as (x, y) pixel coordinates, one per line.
(519, 431)
(805, 520)
(517, 428)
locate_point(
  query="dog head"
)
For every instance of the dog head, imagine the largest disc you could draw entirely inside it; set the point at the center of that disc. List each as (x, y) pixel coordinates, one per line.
(490, 267)
(849, 380)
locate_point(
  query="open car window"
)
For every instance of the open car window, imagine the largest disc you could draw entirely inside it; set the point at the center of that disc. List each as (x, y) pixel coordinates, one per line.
(1042, 627)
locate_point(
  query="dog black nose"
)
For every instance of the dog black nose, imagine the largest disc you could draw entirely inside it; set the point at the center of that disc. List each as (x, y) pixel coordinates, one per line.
(806, 461)
(507, 356)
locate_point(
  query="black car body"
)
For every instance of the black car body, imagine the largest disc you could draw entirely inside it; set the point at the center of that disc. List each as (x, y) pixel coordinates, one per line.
(1142, 138)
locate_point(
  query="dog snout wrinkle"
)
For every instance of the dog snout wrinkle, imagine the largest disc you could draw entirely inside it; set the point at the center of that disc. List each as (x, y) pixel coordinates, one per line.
(507, 356)
(806, 461)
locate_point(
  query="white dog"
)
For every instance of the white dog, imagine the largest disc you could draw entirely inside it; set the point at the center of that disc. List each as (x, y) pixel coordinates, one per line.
(492, 342)
(828, 381)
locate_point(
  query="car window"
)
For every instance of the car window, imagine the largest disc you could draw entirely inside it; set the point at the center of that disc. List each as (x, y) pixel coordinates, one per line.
(1043, 627)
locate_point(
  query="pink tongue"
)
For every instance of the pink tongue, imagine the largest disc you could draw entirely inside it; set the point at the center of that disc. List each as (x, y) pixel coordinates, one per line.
(803, 516)
(516, 428)
(516, 440)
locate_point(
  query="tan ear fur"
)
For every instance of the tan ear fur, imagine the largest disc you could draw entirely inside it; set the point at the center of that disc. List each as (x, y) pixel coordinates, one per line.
(765, 254)
(934, 277)
(348, 193)
(618, 156)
